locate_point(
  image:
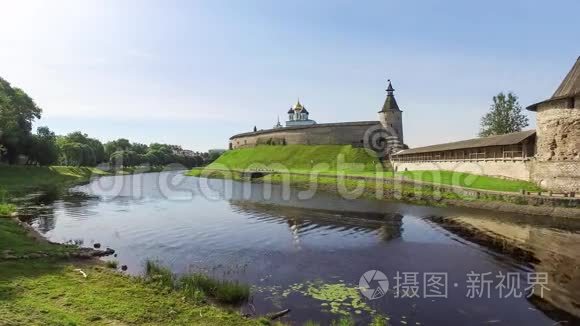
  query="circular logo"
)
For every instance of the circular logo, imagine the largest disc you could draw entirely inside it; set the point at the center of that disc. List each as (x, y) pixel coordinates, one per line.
(373, 284)
(381, 141)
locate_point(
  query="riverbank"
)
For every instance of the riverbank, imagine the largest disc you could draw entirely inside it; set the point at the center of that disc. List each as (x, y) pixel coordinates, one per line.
(21, 180)
(410, 191)
(43, 283)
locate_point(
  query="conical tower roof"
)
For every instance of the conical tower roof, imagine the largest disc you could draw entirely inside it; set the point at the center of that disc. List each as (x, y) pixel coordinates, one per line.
(390, 102)
(569, 87)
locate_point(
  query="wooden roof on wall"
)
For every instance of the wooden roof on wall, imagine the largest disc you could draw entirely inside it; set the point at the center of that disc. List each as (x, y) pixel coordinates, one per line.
(500, 140)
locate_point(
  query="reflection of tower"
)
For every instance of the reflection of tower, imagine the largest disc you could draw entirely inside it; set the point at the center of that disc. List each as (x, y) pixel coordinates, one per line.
(558, 254)
(391, 118)
(294, 229)
(391, 228)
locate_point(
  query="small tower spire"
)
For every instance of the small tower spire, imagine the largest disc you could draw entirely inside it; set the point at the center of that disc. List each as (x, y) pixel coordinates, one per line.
(278, 124)
(390, 88)
(390, 102)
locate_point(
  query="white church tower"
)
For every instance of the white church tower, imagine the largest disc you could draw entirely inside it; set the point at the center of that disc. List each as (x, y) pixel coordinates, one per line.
(391, 117)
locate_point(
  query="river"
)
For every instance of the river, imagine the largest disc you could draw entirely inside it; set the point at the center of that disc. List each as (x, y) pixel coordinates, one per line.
(309, 255)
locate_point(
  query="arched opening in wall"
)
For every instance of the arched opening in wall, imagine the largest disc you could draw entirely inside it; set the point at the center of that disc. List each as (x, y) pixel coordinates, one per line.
(571, 102)
(230, 146)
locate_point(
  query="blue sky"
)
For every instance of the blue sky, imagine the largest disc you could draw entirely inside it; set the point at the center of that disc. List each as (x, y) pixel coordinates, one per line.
(195, 72)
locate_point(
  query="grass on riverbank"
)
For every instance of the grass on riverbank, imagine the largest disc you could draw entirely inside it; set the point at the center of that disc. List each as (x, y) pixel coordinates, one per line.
(6, 209)
(51, 291)
(16, 241)
(451, 178)
(354, 188)
(48, 292)
(197, 286)
(18, 180)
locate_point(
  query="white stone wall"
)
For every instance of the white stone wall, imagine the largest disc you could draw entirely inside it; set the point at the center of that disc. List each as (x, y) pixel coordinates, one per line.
(506, 169)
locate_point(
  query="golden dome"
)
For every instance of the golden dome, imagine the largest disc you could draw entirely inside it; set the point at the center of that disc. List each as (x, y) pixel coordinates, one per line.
(298, 106)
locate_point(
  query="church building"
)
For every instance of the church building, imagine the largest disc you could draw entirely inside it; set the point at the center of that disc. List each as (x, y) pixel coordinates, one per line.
(298, 116)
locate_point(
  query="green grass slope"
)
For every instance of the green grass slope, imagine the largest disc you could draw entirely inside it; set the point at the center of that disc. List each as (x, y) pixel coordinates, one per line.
(452, 178)
(329, 159)
(300, 158)
(16, 180)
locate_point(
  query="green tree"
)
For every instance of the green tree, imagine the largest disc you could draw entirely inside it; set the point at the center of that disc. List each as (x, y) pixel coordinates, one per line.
(78, 148)
(43, 149)
(75, 154)
(125, 158)
(139, 148)
(120, 144)
(17, 113)
(505, 116)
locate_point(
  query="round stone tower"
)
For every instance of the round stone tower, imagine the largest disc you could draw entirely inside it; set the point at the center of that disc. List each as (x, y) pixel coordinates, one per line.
(557, 165)
(391, 117)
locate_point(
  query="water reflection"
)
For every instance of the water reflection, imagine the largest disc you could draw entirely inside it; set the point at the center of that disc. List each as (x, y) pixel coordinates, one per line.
(273, 241)
(302, 221)
(550, 245)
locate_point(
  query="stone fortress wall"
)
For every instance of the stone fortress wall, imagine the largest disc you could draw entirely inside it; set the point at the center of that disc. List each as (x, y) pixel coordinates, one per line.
(510, 169)
(557, 164)
(342, 133)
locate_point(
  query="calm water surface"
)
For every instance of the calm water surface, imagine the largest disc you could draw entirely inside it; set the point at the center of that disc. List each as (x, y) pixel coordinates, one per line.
(307, 255)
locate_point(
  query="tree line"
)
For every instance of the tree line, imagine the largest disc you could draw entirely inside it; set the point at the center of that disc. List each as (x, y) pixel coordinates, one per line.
(19, 144)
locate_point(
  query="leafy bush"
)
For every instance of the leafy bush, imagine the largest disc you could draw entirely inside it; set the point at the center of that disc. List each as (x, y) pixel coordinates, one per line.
(6, 209)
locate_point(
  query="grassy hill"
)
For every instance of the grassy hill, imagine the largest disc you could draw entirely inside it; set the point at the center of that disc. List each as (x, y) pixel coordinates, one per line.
(300, 158)
(329, 159)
